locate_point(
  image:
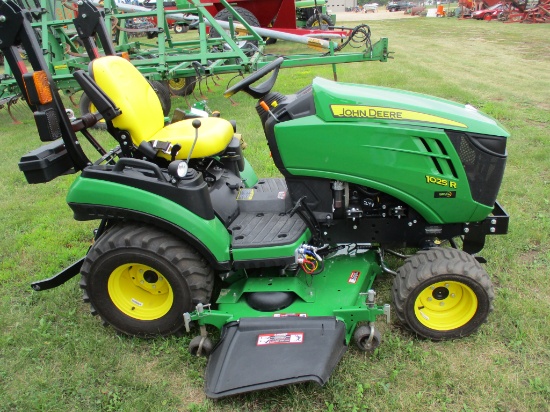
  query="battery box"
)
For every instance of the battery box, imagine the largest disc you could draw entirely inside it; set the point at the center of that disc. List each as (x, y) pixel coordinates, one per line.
(46, 163)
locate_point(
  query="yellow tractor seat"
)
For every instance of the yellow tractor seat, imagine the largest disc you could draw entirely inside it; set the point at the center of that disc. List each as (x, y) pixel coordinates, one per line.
(142, 115)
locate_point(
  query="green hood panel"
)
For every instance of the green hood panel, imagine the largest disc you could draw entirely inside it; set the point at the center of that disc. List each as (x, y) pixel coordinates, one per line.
(211, 233)
(400, 161)
(344, 102)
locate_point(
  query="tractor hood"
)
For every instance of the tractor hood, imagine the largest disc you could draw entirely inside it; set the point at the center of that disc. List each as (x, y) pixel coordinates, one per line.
(344, 102)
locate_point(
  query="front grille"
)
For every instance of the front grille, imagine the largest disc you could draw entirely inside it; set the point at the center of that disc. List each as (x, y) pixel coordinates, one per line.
(483, 158)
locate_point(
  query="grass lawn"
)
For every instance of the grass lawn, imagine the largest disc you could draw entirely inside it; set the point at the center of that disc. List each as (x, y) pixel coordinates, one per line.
(54, 356)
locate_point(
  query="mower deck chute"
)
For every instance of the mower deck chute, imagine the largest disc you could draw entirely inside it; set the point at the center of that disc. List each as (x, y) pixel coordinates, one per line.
(261, 353)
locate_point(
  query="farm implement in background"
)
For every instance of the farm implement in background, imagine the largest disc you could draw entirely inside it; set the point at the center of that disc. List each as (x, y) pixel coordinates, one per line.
(537, 14)
(510, 11)
(173, 66)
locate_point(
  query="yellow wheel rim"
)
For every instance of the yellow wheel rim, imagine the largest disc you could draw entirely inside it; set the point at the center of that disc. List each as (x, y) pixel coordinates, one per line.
(445, 305)
(139, 291)
(177, 84)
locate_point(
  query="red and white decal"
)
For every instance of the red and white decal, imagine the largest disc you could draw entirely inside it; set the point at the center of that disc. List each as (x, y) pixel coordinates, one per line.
(354, 277)
(290, 315)
(280, 338)
(281, 195)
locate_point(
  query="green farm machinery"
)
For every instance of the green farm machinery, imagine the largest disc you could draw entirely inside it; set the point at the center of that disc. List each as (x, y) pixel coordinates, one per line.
(174, 66)
(189, 237)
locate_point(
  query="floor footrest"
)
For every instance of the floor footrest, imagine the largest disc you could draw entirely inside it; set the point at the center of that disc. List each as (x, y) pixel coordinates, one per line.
(266, 230)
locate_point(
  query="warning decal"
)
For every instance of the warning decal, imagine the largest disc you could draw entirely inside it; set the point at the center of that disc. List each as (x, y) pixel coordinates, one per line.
(245, 194)
(280, 338)
(354, 277)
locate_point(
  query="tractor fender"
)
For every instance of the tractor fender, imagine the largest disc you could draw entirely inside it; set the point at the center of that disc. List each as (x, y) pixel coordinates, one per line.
(99, 199)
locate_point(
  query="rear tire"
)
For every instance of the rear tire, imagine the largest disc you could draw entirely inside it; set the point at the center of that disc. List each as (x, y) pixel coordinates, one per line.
(140, 280)
(442, 293)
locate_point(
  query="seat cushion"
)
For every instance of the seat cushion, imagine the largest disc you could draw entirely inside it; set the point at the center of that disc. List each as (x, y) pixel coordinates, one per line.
(142, 114)
(214, 136)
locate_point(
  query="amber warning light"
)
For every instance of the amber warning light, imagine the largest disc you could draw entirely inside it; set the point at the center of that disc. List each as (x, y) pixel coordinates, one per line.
(38, 88)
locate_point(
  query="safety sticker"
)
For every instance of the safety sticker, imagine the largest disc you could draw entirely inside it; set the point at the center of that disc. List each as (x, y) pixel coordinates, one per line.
(290, 315)
(354, 277)
(280, 338)
(245, 194)
(136, 302)
(281, 195)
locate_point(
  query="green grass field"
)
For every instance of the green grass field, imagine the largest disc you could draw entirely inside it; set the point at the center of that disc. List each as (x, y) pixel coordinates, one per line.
(54, 356)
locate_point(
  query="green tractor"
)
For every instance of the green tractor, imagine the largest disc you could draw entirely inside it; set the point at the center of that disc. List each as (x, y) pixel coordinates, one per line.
(189, 236)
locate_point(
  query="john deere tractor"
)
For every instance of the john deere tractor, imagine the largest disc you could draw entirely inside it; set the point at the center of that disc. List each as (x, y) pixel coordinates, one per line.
(189, 237)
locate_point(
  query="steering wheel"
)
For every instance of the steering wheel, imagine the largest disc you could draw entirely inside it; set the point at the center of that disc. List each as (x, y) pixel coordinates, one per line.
(262, 89)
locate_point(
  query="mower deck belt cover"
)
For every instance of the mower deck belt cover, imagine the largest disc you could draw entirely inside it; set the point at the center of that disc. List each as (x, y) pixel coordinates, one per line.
(260, 353)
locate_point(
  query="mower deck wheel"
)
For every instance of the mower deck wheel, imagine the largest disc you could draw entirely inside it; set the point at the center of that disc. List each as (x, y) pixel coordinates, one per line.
(442, 293)
(361, 337)
(200, 346)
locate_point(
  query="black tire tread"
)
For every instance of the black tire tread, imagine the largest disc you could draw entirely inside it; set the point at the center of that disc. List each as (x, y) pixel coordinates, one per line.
(324, 19)
(197, 272)
(427, 264)
(224, 14)
(84, 106)
(161, 89)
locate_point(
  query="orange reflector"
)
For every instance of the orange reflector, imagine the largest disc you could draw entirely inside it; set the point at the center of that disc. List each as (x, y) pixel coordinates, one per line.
(42, 87)
(125, 55)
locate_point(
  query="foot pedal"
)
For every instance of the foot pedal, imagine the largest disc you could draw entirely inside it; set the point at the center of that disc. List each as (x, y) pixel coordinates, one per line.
(261, 353)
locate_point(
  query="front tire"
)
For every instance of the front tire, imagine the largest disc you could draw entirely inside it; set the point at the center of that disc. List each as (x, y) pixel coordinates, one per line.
(141, 280)
(442, 293)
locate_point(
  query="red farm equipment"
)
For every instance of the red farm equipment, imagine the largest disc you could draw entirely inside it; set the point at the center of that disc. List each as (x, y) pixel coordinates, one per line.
(537, 14)
(296, 17)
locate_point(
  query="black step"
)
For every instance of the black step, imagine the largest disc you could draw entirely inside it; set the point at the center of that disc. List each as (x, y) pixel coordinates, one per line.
(265, 230)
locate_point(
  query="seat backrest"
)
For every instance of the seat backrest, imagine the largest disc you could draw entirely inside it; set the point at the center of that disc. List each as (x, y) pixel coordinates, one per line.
(142, 114)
